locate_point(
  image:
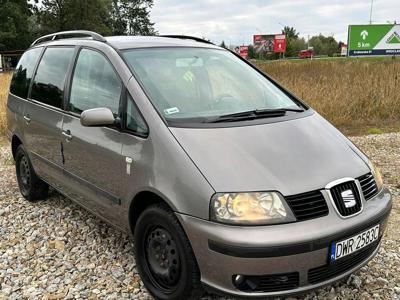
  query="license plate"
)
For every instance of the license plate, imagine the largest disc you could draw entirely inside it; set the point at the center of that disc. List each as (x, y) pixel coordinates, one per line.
(354, 243)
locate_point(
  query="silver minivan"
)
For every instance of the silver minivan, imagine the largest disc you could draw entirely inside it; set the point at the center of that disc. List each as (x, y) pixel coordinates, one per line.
(225, 180)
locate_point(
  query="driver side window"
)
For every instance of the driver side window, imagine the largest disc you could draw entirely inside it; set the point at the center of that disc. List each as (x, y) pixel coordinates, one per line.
(94, 84)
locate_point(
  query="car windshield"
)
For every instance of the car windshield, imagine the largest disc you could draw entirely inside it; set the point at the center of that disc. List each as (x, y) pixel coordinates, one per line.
(201, 83)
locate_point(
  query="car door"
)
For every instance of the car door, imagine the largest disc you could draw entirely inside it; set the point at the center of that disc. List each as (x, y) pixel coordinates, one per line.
(43, 113)
(93, 163)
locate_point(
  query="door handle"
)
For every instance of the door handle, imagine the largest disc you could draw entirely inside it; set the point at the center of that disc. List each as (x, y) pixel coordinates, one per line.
(27, 119)
(67, 134)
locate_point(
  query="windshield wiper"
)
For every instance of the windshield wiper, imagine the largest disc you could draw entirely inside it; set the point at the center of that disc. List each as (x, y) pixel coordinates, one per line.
(253, 114)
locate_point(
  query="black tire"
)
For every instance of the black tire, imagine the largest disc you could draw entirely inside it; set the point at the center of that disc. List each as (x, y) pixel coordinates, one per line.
(164, 257)
(30, 185)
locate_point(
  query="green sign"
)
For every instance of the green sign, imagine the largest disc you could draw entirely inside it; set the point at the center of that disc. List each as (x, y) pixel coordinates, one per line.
(366, 40)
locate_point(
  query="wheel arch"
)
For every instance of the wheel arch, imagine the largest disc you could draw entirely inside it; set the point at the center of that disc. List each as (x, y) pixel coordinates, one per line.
(15, 142)
(140, 202)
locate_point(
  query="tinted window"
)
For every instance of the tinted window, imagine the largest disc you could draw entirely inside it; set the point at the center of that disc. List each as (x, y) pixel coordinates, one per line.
(23, 73)
(48, 85)
(134, 120)
(94, 83)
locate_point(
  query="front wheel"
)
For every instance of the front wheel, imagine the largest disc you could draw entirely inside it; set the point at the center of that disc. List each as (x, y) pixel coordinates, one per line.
(165, 259)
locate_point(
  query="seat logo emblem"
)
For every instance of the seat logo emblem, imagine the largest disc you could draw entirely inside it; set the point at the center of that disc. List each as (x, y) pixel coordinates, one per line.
(348, 198)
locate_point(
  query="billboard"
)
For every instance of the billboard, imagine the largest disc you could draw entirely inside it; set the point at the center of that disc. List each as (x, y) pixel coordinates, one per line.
(244, 52)
(280, 43)
(264, 43)
(269, 43)
(368, 40)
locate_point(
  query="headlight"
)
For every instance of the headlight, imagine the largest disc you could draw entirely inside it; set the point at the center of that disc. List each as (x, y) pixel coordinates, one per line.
(377, 176)
(250, 208)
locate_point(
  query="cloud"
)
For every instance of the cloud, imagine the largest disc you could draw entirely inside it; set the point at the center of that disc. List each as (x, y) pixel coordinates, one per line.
(235, 21)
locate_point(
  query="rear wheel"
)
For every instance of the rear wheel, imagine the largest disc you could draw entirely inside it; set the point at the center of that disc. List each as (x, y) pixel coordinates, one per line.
(30, 185)
(166, 262)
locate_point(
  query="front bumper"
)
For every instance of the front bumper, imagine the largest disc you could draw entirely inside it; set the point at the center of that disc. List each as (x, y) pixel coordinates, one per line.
(299, 250)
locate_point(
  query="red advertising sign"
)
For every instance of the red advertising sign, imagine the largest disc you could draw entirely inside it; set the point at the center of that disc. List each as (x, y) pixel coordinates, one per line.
(244, 52)
(280, 43)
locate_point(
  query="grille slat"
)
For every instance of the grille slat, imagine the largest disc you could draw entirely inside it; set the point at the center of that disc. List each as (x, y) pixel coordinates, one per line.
(307, 206)
(294, 201)
(321, 206)
(304, 208)
(311, 215)
(369, 195)
(368, 189)
(316, 197)
(329, 271)
(366, 178)
(367, 182)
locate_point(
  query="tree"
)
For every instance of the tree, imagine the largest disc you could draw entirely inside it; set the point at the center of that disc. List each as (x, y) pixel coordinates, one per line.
(132, 17)
(324, 45)
(252, 54)
(107, 17)
(294, 44)
(15, 24)
(90, 15)
(223, 44)
(61, 15)
(52, 16)
(290, 32)
(22, 21)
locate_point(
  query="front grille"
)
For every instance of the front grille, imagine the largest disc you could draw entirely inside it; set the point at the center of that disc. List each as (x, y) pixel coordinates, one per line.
(269, 283)
(340, 201)
(308, 205)
(368, 186)
(334, 269)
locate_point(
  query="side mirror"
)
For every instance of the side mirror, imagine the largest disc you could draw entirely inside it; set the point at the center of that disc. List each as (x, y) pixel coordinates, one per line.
(97, 117)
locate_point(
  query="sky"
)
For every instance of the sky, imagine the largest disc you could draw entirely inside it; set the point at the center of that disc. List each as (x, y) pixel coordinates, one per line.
(236, 21)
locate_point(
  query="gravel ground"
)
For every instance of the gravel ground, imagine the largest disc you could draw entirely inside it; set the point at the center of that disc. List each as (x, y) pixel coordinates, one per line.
(54, 249)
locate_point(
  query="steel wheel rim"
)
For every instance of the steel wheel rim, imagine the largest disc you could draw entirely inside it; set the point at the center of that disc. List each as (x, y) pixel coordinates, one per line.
(24, 174)
(162, 259)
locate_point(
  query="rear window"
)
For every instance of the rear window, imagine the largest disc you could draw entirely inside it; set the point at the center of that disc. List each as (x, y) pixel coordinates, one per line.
(23, 73)
(48, 85)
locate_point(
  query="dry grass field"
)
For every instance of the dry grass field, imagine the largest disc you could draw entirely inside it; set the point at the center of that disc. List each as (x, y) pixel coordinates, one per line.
(4, 86)
(354, 94)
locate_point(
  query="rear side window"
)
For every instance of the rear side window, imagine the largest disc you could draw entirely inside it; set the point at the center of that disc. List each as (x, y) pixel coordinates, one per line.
(48, 85)
(23, 73)
(95, 83)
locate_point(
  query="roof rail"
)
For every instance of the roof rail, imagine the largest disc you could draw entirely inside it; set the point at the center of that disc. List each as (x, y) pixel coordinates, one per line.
(187, 37)
(51, 37)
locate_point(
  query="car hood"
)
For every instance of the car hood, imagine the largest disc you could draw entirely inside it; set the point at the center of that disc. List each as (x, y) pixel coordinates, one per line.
(291, 157)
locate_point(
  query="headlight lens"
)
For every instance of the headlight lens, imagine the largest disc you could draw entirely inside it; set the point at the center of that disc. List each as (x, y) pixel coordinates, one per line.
(377, 176)
(250, 208)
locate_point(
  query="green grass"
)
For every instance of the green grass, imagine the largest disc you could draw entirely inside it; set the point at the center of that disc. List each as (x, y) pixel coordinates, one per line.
(375, 131)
